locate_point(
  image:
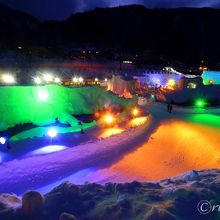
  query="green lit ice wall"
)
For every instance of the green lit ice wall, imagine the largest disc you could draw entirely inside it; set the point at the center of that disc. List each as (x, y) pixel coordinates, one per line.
(42, 104)
(211, 77)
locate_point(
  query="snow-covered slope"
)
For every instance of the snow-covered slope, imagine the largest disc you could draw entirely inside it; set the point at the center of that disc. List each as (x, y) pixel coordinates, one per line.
(42, 104)
(191, 196)
(37, 171)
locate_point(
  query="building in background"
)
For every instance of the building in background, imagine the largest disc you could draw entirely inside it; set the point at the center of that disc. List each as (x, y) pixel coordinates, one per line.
(211, 77)
(123, 86)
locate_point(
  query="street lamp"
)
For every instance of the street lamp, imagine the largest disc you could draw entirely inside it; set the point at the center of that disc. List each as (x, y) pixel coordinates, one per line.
(8, 79)
(57, 80)
(108, 119)
(37, 80)
(81, 79)
(75, 79)
(135, 112)
(48, 77)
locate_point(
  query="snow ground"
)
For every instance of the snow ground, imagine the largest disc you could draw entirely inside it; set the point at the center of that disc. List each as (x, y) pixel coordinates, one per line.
(33, 172)
(23, 148)
(167, 145)
(176, 146)
(183, 197)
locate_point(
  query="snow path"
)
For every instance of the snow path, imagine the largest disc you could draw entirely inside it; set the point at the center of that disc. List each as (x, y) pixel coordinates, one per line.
(175, 147)
(181, 142)
(127, 156)
(37, 171)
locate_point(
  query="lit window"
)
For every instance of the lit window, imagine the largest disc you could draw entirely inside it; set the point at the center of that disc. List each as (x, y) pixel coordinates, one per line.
(171, 83)
(211, 82)
(191, 86)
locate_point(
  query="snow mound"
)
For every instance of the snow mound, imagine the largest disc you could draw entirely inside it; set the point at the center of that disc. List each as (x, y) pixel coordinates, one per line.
(9, 201)
(123, 201)
(190, 176)
(36, 171)
(40, 105)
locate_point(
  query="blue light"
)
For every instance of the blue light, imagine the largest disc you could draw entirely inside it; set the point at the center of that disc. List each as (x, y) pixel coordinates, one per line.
(48, 149)
(2, 140)
(52, 132)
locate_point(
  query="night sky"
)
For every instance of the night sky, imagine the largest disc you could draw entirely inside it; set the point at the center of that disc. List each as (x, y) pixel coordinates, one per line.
(61, 9)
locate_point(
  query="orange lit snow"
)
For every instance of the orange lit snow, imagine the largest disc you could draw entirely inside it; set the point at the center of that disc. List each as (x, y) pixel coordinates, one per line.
(175, 147)
(138, 121)
(108, 132)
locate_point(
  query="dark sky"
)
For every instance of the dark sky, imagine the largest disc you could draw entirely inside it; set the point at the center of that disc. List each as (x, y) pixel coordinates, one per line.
(61, 9)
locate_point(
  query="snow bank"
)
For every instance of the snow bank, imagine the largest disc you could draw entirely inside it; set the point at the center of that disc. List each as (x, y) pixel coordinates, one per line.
(34, 172)
(188, 110)
(170, 199)
(41, 131)
(40, 105)
(205, 92)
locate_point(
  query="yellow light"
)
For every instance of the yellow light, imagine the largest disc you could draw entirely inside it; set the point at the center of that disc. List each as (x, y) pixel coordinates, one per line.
(96, 79)
(138, 121)
(109, 119)
(81, 79)
(135, 112)
(75, 80)
(127, 61)
(48, 77)
(8, 79)
(37, 80)
(171, 82)
(110, 132)
(57, 80)
(211, 82)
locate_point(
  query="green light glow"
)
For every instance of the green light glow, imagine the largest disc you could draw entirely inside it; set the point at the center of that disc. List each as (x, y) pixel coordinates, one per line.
(41, 131)
(43, 96)
(200, 103)
(41, 104)
(205, 119)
